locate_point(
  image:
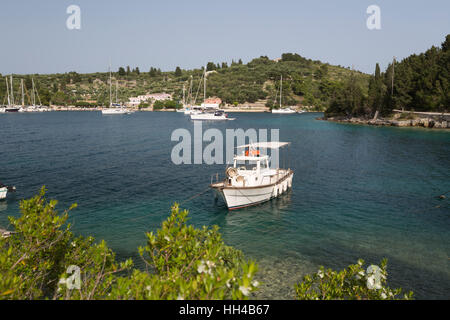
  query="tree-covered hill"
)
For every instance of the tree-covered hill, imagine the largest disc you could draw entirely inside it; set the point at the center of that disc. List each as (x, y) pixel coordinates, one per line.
(305, 82)
(417, 83)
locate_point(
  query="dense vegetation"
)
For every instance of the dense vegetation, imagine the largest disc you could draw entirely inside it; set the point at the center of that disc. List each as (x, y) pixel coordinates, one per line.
(166, 104)
(40, 259)
(417, 83)
(182, 262)
(306, 82)
(352, 283)
(421, 83)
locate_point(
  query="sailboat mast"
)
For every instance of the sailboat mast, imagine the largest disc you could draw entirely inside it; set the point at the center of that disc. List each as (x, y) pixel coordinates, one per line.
(204, 87)
(36, 92)
(12, 91)
(184, 94)
(33, 98)
(281, 89)
(110, 86)
(117, 85)
(23, 99)
(190, 89)
(7, 90)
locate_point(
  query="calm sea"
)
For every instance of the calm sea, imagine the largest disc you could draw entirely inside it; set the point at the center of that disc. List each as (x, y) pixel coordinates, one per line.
(358, 192)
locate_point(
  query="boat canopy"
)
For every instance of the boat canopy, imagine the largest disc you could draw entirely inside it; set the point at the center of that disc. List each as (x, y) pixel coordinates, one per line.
(265, 145)
(250, 158)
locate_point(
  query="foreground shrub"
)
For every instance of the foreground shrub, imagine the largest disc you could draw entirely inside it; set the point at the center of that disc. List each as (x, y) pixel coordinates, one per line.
(42, 259)
(351, 283)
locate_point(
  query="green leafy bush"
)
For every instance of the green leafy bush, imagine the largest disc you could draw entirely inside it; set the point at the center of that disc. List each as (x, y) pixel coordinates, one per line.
(351, 283)
(182, 262)
(197, 260)
(166, 104)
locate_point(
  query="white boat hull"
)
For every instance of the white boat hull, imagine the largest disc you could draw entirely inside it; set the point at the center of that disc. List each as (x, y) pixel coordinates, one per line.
(281, 111)
(237, 198)
(3, 192)
(12, 109)
(207, 117)
(115, 111)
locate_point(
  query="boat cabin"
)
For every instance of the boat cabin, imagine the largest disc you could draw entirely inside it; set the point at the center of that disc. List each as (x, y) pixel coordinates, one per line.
(251, 169)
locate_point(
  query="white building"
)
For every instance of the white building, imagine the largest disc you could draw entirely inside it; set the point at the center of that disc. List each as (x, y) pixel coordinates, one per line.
(135, 101)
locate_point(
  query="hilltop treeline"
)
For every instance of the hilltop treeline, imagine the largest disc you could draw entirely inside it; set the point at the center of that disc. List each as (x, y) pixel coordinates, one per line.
(417, 83)
(305, 82)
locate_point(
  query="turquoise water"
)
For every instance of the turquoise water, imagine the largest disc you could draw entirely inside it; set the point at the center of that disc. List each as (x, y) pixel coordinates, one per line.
(358, 191)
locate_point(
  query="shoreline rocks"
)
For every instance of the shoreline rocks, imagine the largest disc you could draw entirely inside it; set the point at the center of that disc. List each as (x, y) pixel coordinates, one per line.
(417, 122)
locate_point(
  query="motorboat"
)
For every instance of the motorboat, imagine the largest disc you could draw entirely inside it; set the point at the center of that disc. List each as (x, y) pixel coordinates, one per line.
(251, 181)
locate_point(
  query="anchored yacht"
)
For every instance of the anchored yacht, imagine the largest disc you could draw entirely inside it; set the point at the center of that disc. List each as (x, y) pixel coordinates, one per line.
(193, 110)
(283, 110)
(250, 181)
(215, 115)
(114, 108)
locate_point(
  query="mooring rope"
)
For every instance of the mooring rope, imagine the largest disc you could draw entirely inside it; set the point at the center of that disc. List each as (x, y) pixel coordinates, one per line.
(179, 203)
(195, 196)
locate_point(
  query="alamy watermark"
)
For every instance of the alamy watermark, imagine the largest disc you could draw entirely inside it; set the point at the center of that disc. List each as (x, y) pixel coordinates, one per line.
(374, 275)
(373, 22)
(73, 22)
(189, 149)
(74, 281)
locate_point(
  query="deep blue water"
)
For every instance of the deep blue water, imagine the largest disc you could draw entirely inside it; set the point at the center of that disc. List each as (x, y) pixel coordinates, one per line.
(358, 192)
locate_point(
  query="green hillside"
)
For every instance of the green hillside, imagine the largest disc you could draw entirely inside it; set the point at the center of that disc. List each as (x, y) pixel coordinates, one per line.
(305, 82)
(417, 83)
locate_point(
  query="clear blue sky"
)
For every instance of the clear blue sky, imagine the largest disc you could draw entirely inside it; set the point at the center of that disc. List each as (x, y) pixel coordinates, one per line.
(169, 33)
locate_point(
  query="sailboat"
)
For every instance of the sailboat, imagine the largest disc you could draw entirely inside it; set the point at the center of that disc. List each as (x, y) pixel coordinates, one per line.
(281, 110)
(211, 114)
(11, 107)
(34, 107)
(114, 108)
(191, 108)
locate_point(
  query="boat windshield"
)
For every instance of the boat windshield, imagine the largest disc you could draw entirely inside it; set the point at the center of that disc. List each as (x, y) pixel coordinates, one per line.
(246, 165)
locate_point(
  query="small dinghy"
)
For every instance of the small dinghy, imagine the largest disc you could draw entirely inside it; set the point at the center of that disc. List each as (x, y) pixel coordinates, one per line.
(5, 189)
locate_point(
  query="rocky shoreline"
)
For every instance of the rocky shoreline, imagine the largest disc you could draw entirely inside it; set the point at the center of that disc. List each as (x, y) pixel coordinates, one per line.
(414, 119)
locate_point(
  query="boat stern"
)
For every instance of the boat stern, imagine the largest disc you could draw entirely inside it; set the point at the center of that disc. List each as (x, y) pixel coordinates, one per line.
(3, 192)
